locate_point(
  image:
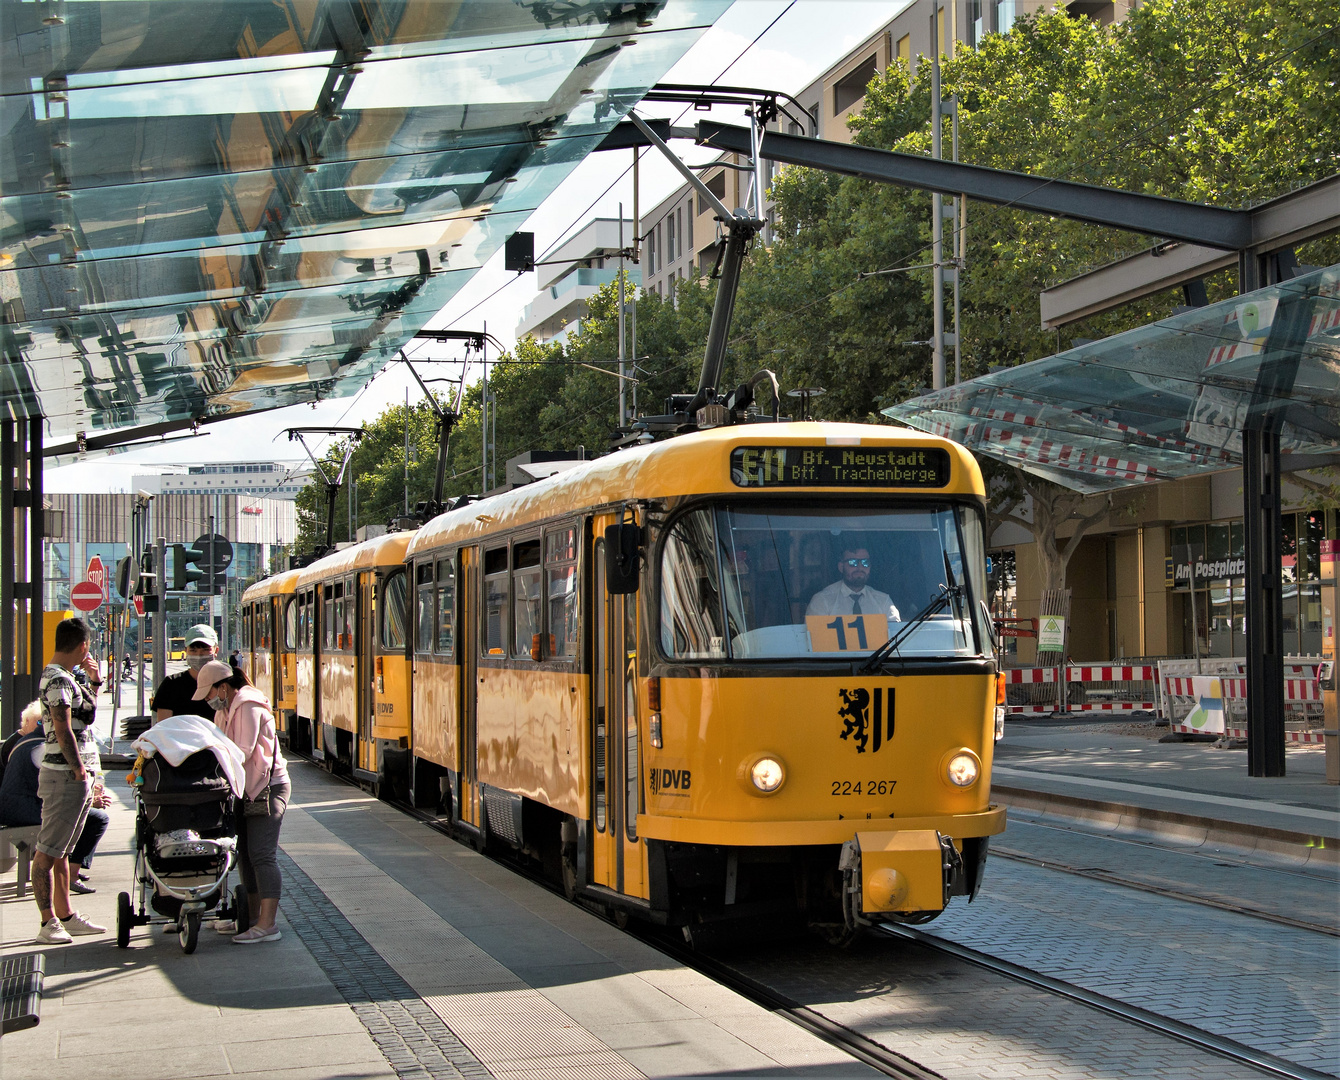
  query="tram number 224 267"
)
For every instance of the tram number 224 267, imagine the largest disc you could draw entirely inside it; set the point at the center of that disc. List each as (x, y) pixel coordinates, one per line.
(863, 787)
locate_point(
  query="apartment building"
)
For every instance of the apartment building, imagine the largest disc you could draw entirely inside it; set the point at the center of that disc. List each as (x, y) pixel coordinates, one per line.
(570, 274)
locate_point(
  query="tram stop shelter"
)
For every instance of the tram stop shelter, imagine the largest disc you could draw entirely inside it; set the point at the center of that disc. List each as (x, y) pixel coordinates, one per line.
(209, 210)
(1251, 382)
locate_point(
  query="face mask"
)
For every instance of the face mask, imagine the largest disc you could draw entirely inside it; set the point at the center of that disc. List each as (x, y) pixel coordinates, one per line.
(218, 704)
(195, 663)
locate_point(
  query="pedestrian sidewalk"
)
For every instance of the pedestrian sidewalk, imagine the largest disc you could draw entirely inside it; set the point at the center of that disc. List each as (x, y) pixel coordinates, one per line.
(1119, 773)
(404, 955)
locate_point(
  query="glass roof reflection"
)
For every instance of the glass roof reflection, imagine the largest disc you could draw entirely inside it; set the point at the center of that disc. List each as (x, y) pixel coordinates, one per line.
(1164, 401)
(207, 209)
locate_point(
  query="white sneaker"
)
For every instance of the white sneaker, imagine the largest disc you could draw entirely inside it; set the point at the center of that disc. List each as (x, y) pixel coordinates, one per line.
(256, 935)
(226, 926)
(53, 933)
(80, 925)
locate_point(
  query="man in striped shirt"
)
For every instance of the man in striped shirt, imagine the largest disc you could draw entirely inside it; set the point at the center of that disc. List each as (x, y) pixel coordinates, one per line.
(68, 693)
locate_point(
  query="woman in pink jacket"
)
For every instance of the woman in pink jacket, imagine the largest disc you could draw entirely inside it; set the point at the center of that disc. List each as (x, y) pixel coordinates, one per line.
(245, 717)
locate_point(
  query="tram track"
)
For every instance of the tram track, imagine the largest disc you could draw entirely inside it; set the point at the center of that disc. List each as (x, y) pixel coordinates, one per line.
(1107, 876)
(1234, 1051)
(882, 1058)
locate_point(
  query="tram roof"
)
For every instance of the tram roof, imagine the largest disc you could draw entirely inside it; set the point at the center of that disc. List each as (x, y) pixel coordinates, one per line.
(386, 550)
(1165, 401)
(276, 585)
(214, 209)
(697, 464)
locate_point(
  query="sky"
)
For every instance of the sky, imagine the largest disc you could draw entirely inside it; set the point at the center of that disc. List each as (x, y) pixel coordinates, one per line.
(809, 36)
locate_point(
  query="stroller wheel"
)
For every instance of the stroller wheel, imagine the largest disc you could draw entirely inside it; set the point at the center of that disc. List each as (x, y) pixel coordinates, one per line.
(241, 909)
(124, 920)
(189, 932)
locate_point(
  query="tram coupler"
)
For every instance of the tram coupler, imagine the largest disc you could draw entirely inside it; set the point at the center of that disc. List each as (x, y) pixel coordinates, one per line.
(894, 873)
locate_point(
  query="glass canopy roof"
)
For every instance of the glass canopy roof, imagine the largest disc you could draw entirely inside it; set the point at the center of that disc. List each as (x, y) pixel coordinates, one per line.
(1164, 401)
(208, 209)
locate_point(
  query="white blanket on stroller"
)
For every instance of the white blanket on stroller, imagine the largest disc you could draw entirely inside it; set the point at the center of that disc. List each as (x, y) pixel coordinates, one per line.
(178, 737)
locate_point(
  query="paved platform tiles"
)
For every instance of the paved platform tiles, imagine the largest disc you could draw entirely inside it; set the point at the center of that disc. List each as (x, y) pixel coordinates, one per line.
(404, 955)
(1193, 790)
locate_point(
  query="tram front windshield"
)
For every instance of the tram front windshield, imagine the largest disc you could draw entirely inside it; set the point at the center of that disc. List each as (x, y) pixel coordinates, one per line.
(751, 583)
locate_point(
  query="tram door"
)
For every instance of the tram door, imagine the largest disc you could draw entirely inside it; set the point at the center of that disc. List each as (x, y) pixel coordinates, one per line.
(467, 648)
(618, 859)
(365, 630)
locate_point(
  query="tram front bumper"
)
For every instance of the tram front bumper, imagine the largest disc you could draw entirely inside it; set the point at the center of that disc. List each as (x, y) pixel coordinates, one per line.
(898, 871)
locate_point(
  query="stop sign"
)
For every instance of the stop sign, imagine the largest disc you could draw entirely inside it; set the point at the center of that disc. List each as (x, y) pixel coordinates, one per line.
(139, 605)
(96, 573)
(86, 596)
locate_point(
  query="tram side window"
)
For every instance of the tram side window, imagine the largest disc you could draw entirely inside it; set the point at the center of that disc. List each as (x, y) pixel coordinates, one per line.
(691, 623)
(290, 624)
(446, 606)
(423, 611)
(560, 573)
(310, 641)
(493, 612)
(527, 610)
(350, 613)
(263, 625)
(245, 628)
(394, 612)
(328, 616)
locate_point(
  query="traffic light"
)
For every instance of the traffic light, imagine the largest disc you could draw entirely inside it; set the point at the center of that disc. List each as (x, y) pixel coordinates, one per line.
(146, 586)
(189, 565)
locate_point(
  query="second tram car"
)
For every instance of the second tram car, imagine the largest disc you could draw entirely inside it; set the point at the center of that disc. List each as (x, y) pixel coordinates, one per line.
(743, 672)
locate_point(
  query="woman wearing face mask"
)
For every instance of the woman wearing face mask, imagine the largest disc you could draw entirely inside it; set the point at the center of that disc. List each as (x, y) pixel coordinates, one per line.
(175, 695)
(245, 717)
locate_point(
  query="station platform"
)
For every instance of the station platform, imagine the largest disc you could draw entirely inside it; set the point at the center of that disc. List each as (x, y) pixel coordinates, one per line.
(404, 954)
(1116, 774)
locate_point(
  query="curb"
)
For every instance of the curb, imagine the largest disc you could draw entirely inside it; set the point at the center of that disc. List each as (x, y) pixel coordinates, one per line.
(1189, 828)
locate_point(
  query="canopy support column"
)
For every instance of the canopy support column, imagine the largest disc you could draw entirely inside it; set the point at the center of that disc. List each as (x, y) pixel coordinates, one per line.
(1262, 503)
(21, 527)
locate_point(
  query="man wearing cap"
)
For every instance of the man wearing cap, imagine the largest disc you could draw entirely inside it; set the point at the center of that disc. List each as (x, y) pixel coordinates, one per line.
(174, 694)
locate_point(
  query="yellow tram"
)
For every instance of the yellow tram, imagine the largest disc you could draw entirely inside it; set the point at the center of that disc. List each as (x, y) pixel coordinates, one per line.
(742, 672)
(352, 668)
(267, 632)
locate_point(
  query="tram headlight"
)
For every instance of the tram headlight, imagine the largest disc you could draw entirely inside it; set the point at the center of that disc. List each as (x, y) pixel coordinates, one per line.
(962, 768)
(767, 774)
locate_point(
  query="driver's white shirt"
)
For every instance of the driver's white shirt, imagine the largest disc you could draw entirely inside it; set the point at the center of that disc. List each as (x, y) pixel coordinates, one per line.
(836, 599)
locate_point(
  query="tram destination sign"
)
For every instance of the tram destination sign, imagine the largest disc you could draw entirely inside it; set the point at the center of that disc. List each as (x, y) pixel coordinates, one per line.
(839, 466)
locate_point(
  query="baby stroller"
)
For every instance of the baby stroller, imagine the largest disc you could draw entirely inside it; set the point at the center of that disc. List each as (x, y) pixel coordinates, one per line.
(185, 849)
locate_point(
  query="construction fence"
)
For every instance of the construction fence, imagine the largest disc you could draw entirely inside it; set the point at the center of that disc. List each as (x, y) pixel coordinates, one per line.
(1166, 688)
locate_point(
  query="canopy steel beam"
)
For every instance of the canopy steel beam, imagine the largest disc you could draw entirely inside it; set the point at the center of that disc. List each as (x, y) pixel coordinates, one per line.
(1194, 223)
(1306, 214)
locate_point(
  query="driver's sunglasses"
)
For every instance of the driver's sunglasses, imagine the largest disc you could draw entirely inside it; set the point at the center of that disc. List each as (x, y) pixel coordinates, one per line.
(857, 562)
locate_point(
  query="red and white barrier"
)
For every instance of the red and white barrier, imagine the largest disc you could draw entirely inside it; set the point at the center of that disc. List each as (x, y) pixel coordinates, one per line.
(1302, 698)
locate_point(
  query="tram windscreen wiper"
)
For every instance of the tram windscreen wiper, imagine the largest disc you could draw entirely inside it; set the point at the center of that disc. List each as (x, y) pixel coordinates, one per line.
(948, 594)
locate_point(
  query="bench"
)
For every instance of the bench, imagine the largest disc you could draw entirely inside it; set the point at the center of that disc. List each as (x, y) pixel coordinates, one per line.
(16, 846)
(21, 979)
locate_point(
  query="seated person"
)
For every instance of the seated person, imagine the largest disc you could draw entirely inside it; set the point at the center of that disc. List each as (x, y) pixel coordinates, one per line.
(851, 594)
(20, 805)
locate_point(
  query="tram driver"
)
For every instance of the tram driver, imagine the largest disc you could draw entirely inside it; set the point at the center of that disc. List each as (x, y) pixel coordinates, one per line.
(851, 594)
